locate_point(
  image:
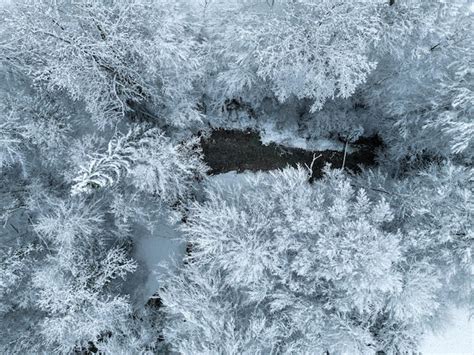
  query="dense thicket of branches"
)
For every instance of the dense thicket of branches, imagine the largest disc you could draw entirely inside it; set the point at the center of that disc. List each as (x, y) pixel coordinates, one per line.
(101, 107)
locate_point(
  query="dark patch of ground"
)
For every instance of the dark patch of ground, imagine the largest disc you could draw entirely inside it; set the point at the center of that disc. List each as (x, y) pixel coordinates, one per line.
(228, 150)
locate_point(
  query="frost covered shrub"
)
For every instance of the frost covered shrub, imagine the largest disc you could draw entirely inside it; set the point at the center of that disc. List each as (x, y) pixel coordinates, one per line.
(282, 265)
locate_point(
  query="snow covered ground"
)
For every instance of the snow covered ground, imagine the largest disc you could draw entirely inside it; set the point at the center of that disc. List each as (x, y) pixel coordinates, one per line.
(155, 251)
(232, 178)
(270, 134)
(456, 339)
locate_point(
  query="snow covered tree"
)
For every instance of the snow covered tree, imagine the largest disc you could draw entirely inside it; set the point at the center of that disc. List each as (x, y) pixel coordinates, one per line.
(77, 293)
(111, 55)
(283, 265)
(18, 329)
(151, 162)
(102, 103)
(139, 334)
(279, 265)
(63, 223)
(11, 138)
(78, 307)
(423, 88)
(434, 209)
(315, 50)
(36, 129)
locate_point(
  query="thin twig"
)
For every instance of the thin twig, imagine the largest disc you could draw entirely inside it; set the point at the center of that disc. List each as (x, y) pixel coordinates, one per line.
(373, 189)
(15, 228)
(345, 153)
(310, 167)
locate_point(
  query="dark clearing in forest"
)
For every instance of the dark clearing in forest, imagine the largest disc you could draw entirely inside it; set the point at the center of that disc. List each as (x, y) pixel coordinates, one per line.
(228, 150)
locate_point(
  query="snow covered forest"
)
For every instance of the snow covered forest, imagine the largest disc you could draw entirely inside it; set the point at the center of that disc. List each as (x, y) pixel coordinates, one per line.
(235, 176)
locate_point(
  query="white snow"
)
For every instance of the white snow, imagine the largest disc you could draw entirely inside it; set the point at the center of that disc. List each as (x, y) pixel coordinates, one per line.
(232, 178)
(271, 134)
(456, 339)
(163, 248)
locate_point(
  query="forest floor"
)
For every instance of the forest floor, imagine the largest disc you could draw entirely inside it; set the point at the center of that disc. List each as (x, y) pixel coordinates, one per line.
(156, 252)
(234, 150)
